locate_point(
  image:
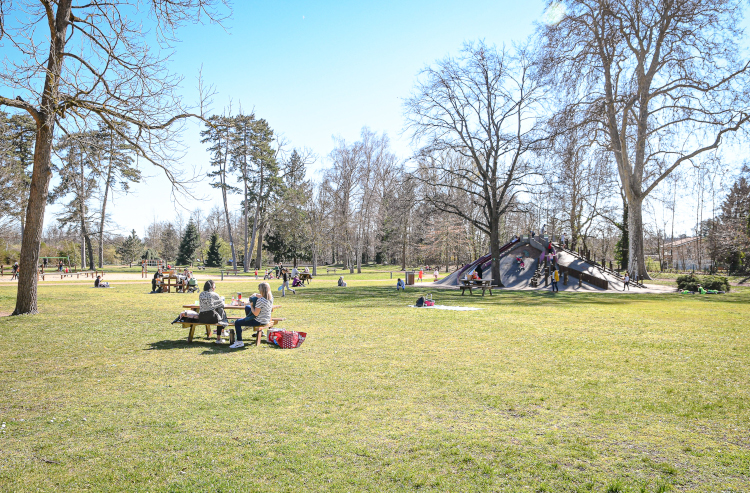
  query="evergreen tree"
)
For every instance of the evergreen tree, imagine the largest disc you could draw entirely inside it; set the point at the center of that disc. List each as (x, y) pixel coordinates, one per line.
(130, 249)
(149, 254)
(17, 134)
(213, 257)
(291, 236)
(218, 134)
(191, 242)
(169, 244)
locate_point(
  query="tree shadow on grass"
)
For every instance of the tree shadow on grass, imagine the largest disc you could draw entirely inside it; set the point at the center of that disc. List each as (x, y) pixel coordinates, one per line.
(366, 296)
(208, 345)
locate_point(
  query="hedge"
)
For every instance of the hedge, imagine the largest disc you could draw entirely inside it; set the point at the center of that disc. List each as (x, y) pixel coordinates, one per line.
(690, 282)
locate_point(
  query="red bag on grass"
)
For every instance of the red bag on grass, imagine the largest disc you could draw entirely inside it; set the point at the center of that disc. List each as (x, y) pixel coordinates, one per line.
(286, 339)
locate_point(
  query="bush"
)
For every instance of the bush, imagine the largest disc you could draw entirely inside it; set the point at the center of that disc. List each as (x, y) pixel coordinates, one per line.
(690, 282)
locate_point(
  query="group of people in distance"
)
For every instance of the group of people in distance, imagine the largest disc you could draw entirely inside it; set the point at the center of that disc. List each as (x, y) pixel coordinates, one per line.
(257, 311)
(16, 269)
(186, 282)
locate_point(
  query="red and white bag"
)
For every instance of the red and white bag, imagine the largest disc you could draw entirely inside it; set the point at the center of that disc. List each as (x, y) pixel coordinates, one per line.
(428, 301)
(286, 339)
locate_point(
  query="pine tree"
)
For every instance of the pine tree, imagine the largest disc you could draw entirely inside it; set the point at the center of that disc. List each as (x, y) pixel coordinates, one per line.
(213, 257)
(149, 254)
(190, 243)
(131, 248)
(169, 244)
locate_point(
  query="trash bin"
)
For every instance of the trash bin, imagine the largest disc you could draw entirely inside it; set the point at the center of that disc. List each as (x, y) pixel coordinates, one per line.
(409, 278)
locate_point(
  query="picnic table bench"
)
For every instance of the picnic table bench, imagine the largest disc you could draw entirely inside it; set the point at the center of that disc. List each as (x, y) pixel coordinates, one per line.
(470, 284)
(70, 274)
(167, 284)
(305, 277)
(93, 273)
(258, 330)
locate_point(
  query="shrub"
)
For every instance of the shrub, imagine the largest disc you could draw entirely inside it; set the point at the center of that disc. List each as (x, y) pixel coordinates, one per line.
(690, 282)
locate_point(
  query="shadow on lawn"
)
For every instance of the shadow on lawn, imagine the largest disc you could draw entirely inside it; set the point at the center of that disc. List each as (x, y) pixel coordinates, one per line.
(356, 297)
(209, 346)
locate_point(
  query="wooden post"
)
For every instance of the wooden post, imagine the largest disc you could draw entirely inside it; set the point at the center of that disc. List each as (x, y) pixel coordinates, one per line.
(580, 279)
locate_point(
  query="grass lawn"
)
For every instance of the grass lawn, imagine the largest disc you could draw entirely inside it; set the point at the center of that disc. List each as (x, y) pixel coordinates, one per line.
(535, 392)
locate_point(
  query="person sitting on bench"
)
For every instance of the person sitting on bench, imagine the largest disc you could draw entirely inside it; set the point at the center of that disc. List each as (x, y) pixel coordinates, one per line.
(400, 285)
(192, 285)
(211, 309)
(157, 276)
(258, 313)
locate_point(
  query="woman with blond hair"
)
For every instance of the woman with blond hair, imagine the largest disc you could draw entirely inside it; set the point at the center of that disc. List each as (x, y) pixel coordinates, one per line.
(258, 312)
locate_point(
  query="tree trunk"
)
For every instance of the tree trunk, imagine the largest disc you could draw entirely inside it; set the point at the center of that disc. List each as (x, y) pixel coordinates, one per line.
(104, 211)
(359, 254)
(41, 175)
(223, 177)
(87, 237)
(403, 250)
(315, 261)
(636, 260)
(495, 251)
(259, 254)
(246, 252)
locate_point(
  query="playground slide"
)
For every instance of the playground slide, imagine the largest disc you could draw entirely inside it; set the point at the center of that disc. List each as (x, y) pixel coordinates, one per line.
(511, 273)
(485, 262)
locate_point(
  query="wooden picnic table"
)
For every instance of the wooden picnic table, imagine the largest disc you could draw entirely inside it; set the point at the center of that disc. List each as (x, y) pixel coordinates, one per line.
(258, 330)
(483, 284)
(305, 276)
(167, 284)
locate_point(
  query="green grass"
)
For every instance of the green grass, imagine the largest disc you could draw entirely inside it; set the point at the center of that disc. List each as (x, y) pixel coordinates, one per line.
(535, 392)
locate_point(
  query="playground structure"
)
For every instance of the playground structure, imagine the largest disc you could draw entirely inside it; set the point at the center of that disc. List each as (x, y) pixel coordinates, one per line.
(538, 267)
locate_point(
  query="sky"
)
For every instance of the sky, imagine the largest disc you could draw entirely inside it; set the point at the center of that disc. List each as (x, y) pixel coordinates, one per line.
(315, 70)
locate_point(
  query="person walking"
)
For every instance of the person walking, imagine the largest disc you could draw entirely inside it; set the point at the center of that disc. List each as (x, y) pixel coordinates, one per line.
(15, 271)
(420, 274)
(437, 273)
(285, 283)
(555, 279)
(626, 282)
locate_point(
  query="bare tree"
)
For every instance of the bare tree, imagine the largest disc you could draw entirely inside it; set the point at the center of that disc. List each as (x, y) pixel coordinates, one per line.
(76, 64)
(475, 116)
(664, 80)
(581, 178)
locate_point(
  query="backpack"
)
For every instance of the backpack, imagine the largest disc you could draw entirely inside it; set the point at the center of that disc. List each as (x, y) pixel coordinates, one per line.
(425, 301)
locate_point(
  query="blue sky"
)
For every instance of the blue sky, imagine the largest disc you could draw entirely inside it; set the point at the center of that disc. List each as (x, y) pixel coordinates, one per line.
(316, 70)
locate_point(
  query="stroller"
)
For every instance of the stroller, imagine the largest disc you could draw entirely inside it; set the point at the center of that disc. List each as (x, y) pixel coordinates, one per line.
(296, 282)
(520, 261)
(192, 286)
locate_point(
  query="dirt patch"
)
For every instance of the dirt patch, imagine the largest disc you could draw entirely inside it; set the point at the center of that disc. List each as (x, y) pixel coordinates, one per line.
(5, 314)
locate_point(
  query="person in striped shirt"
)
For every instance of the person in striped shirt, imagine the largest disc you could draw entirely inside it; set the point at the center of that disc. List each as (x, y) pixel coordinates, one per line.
(258, 313)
